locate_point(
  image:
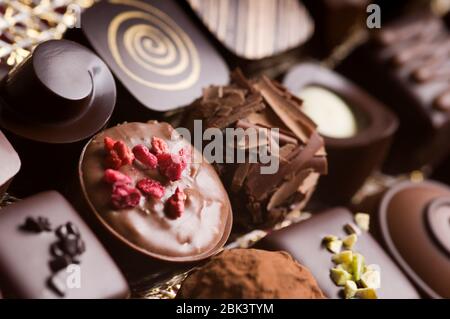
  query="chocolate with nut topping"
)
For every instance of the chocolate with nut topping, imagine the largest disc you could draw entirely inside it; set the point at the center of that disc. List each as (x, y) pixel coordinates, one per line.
(304, 241)
(263, 200)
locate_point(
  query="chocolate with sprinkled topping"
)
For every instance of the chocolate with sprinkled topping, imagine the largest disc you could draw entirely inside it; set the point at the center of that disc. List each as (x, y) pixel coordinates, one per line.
(304, 241)
(147, 229)
(258, 199)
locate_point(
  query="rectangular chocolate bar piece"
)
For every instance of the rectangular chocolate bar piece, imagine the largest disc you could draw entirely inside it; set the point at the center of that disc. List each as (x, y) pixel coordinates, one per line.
(47, 251)
(304, 241)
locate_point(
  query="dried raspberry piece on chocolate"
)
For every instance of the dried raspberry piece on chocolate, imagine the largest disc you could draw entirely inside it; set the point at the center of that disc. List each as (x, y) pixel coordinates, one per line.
(171, 166)
(125, 196)
(113, 160)
(143, 155)
(112, 176)
(151, 187)
(159, 146)
(175, 204)
(109, 143)
(119, 155)
(124, 153)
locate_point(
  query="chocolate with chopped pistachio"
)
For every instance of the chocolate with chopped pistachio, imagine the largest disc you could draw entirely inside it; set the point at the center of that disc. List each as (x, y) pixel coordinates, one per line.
(304, 241)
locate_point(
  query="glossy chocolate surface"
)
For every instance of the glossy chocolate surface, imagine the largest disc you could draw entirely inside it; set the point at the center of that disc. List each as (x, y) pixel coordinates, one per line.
(25, 256)
(62, 93)
(155, 51)
(304, 242)
(335, 20)
(9, 163)
(201, 230)
(255, 30)
(414, 220)
(406, 66)
(351, 159)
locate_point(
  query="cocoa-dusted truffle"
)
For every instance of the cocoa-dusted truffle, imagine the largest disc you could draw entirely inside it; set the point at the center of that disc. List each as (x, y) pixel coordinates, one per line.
(259, 199)
(251, 274)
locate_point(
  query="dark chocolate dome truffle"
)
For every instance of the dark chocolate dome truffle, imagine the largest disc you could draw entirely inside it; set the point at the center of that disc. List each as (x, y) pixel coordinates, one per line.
(138, 181)
(251, 274)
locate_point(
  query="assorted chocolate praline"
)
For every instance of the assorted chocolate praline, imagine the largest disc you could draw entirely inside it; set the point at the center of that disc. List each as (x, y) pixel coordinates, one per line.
(157, 210)
(256, 36)
(250, 274)
(158, 55)
(47, 251)
(304, 241)
(157, 200)
(405, 65)
(61, 95)
(414, 225)
(262, 200)
(357, 128)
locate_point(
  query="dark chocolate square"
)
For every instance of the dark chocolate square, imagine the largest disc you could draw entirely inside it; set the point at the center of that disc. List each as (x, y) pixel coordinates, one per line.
(304, 242)
(25, 255)
(9, 163)
(153, 48)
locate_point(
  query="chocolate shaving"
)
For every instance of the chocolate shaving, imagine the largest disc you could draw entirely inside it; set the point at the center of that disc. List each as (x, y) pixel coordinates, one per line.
(239, 176)
(263, 200)
(301, 158)
(283, 138)
(286, 109)
(253, 104)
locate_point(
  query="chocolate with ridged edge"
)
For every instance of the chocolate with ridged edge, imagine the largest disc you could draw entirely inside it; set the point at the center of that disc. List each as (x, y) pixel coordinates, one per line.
(405, 65)
(24, 255)
(304, 241)
(256, 35)
(262, 200)
(145, 230)
(351, 159)
(9, 163)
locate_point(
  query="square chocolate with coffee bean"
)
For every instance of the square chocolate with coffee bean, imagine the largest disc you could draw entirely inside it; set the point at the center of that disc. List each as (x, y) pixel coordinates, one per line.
(47, 251)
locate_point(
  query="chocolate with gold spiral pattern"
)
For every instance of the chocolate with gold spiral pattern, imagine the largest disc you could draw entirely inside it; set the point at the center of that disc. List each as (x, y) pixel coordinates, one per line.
(153, 42)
